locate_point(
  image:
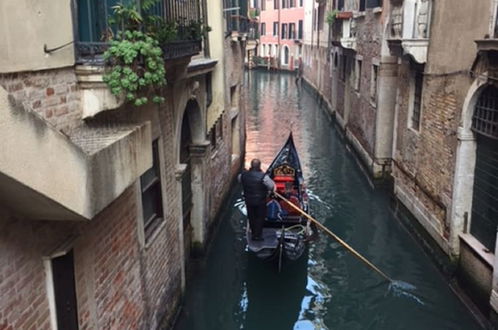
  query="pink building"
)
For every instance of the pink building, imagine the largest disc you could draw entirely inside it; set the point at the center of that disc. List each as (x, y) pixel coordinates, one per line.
(281, 32)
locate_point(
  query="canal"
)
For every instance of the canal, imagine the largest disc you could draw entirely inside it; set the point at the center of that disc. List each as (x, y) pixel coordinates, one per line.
(329, 289)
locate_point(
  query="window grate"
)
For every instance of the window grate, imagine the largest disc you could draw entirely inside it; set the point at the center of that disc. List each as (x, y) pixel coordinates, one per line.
(485, 119)
(484, 221)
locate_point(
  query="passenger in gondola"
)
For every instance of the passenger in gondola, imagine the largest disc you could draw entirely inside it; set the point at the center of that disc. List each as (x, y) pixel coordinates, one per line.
(256, 185)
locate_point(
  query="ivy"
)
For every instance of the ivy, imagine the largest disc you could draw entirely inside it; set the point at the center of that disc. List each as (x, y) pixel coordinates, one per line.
(136, 68)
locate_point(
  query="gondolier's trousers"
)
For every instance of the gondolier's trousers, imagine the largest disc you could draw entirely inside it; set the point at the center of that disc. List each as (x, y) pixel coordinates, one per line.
(256, 215)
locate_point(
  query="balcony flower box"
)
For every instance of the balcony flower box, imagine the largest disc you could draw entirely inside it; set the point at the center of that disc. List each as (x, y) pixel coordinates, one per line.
(344, 15)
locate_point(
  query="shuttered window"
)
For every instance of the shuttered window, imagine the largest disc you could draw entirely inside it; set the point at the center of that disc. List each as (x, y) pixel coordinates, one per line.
(152, 202)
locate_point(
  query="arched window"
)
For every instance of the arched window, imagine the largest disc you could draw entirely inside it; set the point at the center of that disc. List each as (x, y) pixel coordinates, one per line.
(484, 219)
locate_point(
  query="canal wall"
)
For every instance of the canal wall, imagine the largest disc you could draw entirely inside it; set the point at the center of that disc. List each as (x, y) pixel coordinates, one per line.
(408, 105)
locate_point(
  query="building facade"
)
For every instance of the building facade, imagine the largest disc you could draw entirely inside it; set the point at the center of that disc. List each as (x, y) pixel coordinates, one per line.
(281, 28)
(102, 203)
(412, 83)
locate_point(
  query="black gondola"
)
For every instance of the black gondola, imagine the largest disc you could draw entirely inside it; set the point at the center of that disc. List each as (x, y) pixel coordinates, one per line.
(285, 231)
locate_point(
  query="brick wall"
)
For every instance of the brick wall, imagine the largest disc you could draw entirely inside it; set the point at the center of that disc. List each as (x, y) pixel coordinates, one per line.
(53, 94)
(221, 157)
(425, 160)
(107, 269)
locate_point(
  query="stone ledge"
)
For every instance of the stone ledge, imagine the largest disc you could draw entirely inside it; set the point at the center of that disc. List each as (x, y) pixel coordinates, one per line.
(95, 95)
(48, 175)
(478, 248)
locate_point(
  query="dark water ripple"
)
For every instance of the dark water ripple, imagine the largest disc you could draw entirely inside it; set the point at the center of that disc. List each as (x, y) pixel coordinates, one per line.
(330, 289)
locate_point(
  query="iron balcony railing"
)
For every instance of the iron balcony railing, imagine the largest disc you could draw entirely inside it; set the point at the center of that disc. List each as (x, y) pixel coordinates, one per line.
(236, 16)
(93, 28)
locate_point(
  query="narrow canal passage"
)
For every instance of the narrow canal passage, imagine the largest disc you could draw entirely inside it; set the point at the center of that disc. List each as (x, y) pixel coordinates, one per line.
(329, 289)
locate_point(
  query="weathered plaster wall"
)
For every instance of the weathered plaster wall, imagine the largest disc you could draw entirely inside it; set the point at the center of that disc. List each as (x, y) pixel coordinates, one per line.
(22, 22)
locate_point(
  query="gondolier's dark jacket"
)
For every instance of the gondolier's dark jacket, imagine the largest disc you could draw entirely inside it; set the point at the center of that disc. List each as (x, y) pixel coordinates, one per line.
(256, 185)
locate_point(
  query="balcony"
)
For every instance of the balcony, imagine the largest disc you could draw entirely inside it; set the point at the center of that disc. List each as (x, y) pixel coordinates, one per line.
(409, 28)
(177, 25)
(94, 28)
(237, 22)
(348, 38)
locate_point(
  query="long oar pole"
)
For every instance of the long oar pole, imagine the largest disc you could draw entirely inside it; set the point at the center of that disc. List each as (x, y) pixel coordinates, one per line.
(337, 238)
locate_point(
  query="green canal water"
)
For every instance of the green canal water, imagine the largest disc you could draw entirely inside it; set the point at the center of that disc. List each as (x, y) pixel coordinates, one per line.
(327, 289)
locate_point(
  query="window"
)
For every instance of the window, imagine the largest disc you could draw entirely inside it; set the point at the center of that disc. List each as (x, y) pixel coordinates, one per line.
(374, 82)
(321, 17)
(209, 89)
(263, 4)
(300, 3)
(234, 97)
(292, 3)
(92, 19)
(275, 28)
(374, 3)
(300, 30)
(284, 31)
(275, 4)
(362, 5)
(417, 100)
(340, 5)
(152, 202)
(344, 64)
(292, 31)
(367, 4)
(212, 137)
(357, 78)
(263, 29)
(313, 19)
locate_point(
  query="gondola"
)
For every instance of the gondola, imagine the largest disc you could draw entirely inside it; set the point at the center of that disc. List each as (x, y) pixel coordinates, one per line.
(285, 231)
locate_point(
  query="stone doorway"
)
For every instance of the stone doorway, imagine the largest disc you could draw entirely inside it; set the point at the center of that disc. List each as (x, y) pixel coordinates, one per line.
(193, 149)
(186, 183)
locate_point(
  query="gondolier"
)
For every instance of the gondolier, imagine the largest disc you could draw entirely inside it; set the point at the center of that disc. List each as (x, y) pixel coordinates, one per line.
(256, 185)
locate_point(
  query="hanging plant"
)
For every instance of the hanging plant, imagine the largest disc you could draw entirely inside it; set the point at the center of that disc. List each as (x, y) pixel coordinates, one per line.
(135, 68)
(331, 16)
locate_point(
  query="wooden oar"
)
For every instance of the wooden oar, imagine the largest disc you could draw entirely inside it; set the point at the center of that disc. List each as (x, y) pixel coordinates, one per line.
(337, 238)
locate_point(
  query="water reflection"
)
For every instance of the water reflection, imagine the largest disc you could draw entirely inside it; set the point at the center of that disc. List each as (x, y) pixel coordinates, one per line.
(329, 289)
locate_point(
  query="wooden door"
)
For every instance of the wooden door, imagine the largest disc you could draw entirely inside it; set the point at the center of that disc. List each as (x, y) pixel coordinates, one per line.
(65, 292)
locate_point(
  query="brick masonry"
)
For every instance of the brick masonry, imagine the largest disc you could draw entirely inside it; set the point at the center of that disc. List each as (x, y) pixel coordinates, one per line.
(53, 94)
(321, 72)
(107, 269)
(121, 283)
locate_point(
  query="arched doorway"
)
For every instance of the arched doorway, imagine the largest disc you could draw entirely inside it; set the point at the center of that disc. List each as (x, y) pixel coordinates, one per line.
(192, 163)
(484, 218)
(286, 55)
(186, 182)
